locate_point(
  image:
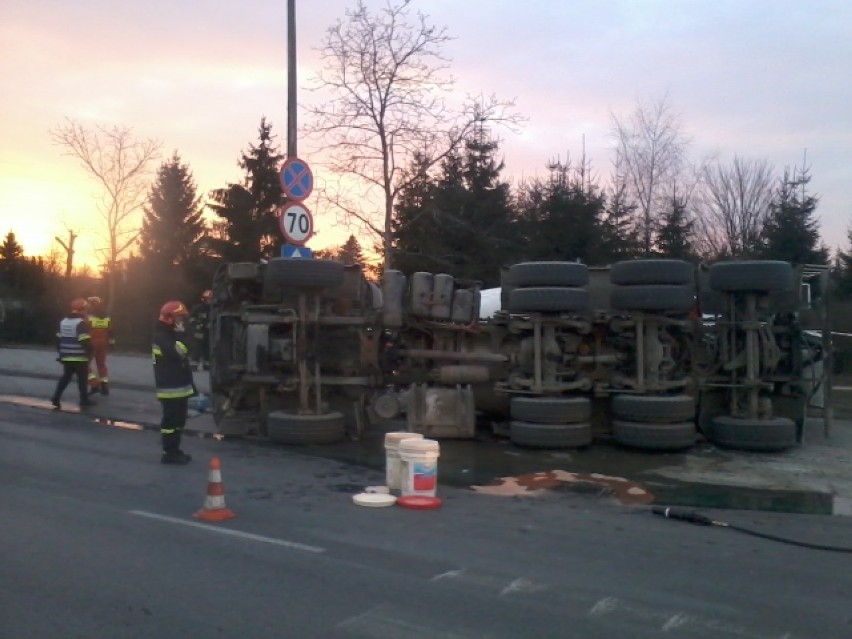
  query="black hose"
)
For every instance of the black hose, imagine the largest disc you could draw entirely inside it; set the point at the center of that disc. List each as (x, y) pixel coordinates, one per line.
(702, 520)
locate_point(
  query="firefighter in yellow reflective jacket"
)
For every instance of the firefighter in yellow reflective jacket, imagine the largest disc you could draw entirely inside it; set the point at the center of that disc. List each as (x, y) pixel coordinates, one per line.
(100, 328)
(173, 378)
(75, 348)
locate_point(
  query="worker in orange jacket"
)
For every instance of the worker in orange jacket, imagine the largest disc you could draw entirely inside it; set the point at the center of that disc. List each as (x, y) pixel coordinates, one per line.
(102, 339)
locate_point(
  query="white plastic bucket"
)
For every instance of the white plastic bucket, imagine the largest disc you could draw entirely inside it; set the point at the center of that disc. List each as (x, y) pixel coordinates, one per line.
(393, 463)
(419, 466)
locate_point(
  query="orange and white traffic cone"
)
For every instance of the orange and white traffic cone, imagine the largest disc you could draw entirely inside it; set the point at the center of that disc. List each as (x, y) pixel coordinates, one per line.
(214, 504)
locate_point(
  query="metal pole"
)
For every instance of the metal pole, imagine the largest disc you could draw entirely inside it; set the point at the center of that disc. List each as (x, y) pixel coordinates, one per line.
(291, 79)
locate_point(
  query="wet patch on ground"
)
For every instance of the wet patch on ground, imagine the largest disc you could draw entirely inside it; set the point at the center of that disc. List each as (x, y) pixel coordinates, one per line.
(590, 484)
(799, 481)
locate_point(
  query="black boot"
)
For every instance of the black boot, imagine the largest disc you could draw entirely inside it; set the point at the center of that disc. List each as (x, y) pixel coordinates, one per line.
(172, 454)
(177, 457)
(55, 402)
(104, 388)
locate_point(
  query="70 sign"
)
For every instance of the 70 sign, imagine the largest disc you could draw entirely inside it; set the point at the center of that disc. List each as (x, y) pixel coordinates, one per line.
(296, 223)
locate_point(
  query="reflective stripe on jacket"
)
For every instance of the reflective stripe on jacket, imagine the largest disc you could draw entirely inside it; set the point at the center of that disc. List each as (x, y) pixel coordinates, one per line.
(172, 371)
(100, 328)
(73, 340)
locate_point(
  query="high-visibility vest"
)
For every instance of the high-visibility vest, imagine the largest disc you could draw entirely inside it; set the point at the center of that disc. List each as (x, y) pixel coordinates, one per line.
(73, 337)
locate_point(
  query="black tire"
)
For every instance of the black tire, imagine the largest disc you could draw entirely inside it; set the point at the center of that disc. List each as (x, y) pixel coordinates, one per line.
(549, 274)
(653, 297)
(283, 274)
(671, 436)
(778, 433)
(549, 299)
(631, 272)
(290, 428)
(753, 275)
(653, 408)
(551, 410)
(550, 435)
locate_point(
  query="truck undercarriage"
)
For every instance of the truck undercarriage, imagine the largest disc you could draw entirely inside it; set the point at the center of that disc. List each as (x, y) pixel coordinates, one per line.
(651, 354)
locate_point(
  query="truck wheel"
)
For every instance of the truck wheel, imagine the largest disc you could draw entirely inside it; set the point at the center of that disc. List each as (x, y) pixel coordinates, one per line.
(549, 274)
(653, 297)
(671, 436)
(551, 410)
(290, 428)
(283, 274)
(549, 299)
(751, 275)
(632, 272)
(653, 408)
(778, 433)
(550, 435)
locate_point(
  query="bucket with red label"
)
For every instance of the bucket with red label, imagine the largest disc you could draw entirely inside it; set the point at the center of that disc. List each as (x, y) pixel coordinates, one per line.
(419, 466)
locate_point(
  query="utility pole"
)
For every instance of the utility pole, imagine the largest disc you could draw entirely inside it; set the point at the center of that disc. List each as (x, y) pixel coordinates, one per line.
(291, 79)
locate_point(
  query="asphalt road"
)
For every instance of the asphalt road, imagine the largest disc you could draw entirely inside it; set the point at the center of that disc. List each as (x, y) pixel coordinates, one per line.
(98, 540)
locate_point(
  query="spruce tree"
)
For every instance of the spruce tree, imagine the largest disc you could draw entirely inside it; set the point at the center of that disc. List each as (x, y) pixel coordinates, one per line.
(792, 233)
(462, 221)
(250, 209)
(561, 218)
(172, 224)
(675, 232)
(350, 252)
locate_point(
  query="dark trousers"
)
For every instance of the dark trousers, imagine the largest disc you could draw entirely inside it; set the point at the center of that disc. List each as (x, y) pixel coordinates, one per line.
(69, 369)
(172, 423)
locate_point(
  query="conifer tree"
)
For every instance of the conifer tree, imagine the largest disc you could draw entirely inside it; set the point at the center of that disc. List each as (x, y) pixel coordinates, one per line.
(675, 232)
(250, 209)
(172, 224)
(350, 252)
(562, 218)
(791, 233)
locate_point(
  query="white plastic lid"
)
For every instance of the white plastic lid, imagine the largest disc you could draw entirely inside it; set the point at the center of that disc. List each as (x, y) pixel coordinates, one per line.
(419, 445)
(395, 438)
(374, 500)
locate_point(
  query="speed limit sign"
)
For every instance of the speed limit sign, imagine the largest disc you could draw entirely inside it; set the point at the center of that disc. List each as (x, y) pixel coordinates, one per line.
(296, 223)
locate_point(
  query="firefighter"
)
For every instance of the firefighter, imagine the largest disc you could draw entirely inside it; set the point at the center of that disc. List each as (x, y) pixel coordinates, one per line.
(200, 321)
(74, 344)
(102, 339)
(173, 378)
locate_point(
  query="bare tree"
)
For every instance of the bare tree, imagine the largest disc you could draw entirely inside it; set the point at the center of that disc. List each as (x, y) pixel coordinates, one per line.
(733, 207)
(69, 250)
(650, 162)
(120, 165)
(387, 82)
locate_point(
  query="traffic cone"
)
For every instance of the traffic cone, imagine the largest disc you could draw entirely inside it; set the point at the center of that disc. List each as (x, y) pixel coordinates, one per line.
(214, 504)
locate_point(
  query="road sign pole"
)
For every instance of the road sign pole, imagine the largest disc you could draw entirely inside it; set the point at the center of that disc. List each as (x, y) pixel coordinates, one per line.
(291, 79)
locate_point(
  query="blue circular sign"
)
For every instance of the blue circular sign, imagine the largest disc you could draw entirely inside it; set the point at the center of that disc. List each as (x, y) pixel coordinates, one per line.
(297, 180)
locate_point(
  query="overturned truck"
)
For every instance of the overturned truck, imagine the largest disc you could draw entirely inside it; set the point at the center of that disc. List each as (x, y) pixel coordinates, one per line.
(653, 354)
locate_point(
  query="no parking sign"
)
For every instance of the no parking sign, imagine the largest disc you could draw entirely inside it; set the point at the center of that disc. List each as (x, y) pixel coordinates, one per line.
(297, 180)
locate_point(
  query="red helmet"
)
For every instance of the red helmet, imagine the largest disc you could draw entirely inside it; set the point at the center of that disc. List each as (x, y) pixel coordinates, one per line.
(207, 295)
(79, 305)
(171, 311)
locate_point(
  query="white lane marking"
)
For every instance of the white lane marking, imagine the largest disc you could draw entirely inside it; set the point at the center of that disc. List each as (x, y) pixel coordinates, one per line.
(233, 533)
(678, 621)
(521, 585)
(675, 621)
(447, 575)
(604, 606)
(385, 621)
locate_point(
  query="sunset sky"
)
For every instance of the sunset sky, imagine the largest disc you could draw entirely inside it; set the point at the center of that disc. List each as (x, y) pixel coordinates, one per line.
(757, 78)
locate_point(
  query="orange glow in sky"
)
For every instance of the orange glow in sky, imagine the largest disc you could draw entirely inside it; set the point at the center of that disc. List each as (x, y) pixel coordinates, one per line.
(764, 79)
